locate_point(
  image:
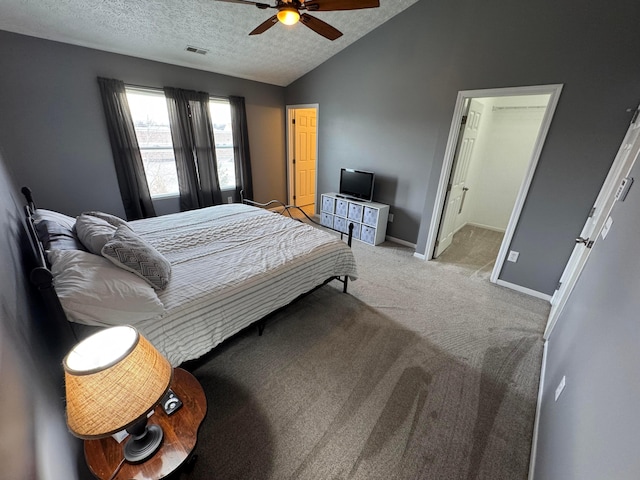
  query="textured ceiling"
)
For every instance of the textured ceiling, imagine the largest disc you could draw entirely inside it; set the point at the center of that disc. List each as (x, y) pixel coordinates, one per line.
(161, 30)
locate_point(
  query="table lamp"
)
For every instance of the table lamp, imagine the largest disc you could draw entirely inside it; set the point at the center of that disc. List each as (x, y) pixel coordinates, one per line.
(113, 379)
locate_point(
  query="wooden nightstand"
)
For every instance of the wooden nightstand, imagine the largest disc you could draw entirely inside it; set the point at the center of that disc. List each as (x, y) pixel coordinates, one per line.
(180, 434)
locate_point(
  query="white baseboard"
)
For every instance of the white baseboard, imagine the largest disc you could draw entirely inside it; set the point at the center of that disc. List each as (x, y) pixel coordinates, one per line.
(486, 227)
(528, 291)
(400, 241)
(536, 423)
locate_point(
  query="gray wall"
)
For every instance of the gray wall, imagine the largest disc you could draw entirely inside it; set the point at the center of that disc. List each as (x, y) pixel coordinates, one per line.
(593, 430)
(386, 104)
(54, 132)
(31, 386)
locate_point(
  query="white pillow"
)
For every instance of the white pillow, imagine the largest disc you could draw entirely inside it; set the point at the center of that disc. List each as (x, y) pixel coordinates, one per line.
(93, 232)
(61, 218)
(93, 291)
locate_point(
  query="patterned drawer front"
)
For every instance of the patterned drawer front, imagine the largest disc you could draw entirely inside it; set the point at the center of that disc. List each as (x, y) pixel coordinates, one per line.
(341, 207)
(340, 224)
(368, 234)
(370, 216)
(355, 212)
(356, 230)
(326, 219)
(328, 204)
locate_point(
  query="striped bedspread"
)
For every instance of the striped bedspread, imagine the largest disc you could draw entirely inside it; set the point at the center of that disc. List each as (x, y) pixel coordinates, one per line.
(230, 266)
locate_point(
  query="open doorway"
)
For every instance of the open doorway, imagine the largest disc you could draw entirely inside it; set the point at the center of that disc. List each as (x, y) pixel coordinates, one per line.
(302, 155)
(494, 145)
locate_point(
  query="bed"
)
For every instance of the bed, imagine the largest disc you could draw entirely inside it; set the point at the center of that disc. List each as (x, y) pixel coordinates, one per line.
(228, 267)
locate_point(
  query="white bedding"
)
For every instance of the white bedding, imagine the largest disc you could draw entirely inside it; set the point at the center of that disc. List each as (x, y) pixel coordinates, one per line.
(230, 266)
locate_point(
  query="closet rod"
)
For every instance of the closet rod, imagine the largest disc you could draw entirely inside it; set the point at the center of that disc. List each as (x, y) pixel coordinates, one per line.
(523, 107)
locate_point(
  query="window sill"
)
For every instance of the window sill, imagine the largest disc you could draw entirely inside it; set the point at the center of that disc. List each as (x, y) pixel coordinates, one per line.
(165, 196)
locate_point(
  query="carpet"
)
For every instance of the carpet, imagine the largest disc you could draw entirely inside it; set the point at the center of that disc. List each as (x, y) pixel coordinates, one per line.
(418, 373)
(473, 251)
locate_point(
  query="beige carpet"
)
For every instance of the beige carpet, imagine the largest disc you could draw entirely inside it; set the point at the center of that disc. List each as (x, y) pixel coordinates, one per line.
(421, 372)
(473, 251)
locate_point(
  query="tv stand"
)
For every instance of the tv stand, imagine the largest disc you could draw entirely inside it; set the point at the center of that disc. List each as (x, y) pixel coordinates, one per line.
(353, 199)
(369, 218)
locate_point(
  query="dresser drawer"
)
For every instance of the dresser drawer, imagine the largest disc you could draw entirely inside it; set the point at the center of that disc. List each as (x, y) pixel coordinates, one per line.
(326, 219)
(328, 204)
(370, 216)
(342, 207)
(340, 224)
(355, 211)
(368, 234)
(356, 230)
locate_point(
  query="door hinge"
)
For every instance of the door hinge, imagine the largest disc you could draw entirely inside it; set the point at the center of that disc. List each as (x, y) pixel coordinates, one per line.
(294, 161)
(293, 120)
(591, 212)
(464, 120)
(437, 243)
(294, 197)
(449, 187)
(558, 286)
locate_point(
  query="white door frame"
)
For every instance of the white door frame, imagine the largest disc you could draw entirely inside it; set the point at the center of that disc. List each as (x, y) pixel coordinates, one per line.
(291, 151)
(620, 168)
(554, 92)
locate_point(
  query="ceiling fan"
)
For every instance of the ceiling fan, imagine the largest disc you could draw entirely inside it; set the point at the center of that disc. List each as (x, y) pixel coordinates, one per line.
(289, 13)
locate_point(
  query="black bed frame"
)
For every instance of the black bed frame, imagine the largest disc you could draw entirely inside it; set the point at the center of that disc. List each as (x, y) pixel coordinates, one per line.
(42, 277)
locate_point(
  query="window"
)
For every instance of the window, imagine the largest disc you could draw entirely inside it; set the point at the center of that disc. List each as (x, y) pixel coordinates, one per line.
(220, 111)
(151, 123)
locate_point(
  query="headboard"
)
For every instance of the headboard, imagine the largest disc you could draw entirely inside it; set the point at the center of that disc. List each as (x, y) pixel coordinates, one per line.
(41, 276)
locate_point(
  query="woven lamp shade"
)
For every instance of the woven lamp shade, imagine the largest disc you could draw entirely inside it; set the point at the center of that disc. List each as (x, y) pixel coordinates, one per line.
(109, 392)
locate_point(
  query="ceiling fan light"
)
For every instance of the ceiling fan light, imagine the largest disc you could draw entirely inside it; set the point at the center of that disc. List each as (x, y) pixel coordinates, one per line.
(288, 15)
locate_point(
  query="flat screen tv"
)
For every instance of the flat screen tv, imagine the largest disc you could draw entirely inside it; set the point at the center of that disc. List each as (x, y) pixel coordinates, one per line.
(357, 184)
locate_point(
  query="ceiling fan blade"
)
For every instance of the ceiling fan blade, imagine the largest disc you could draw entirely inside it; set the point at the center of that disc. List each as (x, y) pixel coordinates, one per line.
(264, 26)
(320, 27)
(248, 2)
(330, 5)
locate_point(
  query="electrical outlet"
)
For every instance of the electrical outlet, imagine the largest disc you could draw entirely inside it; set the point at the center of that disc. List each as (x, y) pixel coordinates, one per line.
(560, 387)
(229, 199)
(391, 218)
(513, 256)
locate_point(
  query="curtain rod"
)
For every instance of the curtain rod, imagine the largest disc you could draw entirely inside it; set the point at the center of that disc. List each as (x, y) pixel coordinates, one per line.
(147, 88)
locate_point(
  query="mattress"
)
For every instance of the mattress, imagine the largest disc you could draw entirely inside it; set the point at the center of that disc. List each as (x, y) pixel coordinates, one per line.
(230, 266)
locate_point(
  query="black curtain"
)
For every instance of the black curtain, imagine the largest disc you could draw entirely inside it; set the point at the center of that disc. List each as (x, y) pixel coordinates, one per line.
(132, 179)
(241, 147)
(193, 144)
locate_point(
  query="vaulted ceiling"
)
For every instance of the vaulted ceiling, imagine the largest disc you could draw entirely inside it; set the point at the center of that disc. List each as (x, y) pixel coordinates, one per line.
(161, 30)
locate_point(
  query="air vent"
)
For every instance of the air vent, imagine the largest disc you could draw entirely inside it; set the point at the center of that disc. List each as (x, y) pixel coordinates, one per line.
(201, 51)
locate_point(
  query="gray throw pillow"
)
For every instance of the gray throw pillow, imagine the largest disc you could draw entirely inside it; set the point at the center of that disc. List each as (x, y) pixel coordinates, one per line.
(93, 232)
(129, 251)
(107, 217)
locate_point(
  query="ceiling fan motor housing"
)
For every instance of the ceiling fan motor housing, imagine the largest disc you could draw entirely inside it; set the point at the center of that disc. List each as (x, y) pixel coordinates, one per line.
(289, 13)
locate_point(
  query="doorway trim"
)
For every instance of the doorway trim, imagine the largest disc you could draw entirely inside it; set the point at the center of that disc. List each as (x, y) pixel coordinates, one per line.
(554, 91)
(291, 150)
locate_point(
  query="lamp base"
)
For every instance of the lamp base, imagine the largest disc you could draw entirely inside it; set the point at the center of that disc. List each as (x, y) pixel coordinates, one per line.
(140, 447)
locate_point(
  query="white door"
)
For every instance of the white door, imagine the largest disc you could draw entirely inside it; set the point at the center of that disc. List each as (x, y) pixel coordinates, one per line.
(304, 162)
(627, 155)
(457, 188)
